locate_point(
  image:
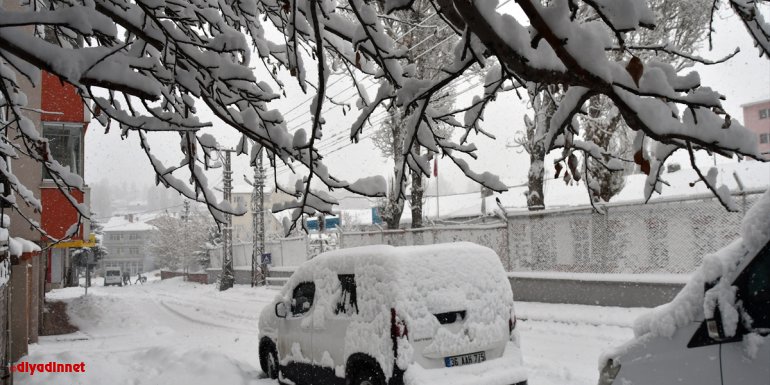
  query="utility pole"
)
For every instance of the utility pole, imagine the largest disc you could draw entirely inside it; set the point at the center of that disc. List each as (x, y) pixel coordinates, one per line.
(228, 275)
(258, 224)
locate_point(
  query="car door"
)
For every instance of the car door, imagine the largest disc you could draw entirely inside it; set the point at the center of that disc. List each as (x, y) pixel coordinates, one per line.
(295, 336)
(747, 360)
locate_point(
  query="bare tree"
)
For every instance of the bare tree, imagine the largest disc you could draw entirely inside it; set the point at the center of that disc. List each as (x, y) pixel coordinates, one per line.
(144, 66)
(681, 24)
(427, 44)
(177, 243)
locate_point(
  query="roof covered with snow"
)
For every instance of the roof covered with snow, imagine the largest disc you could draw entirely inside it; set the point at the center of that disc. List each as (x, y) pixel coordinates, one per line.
(123, 223)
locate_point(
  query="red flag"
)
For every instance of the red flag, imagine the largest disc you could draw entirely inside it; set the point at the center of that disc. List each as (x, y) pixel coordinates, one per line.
(435, 166)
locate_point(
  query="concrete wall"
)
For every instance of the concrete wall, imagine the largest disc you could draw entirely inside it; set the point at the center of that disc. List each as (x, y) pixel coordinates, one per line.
(284, 251)
(201, 278)
(593, 292)
(19, 323)
(242, 275)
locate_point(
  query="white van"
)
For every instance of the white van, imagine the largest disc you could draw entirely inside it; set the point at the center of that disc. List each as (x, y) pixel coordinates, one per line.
(113, 276)
(715, 332)
(378, 315)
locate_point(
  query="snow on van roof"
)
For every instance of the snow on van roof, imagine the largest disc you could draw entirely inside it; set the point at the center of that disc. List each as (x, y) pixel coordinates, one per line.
(479, 260)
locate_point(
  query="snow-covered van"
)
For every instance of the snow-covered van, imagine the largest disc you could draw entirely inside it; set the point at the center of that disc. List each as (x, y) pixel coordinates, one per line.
(716, 330)
(384, 315)
(113, 276)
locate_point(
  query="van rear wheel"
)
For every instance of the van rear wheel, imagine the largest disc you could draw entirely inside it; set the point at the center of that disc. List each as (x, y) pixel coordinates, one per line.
(367, 376)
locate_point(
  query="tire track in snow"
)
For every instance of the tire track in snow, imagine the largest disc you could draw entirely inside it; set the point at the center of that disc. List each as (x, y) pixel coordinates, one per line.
(201, 322)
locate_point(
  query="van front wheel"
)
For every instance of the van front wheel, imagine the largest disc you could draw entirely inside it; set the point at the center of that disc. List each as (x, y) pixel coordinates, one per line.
(367, 376)
(268, 359)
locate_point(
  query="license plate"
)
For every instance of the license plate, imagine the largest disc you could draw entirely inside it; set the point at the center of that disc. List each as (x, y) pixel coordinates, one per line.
(465, 359)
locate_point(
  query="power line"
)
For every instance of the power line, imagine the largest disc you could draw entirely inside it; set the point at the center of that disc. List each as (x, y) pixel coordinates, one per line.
(343, 77)
(380, 118)
(367, 89)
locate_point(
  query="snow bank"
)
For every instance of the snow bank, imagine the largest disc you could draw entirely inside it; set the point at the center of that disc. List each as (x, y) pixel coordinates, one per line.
(693, 303)
(155, 365)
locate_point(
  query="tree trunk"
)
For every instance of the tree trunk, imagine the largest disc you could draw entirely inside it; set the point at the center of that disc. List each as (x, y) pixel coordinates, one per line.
(544, 108)
(394, 207)
(535, 197)
(417, 194)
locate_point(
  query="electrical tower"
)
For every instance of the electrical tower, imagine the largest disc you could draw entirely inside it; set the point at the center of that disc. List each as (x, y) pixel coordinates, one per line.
(228, 275)
(258, 269)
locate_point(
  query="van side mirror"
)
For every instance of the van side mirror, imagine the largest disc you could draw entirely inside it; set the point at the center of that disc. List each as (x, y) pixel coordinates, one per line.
(714, 326)
(715, 329)
(280, 310)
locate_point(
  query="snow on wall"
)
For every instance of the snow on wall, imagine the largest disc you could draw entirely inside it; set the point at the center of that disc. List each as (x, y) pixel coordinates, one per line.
(284, 252)
(5, 271)
(694, 302)
(656, 238)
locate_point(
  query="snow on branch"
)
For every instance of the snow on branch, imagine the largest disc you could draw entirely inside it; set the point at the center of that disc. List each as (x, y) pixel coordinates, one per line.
(146, 66)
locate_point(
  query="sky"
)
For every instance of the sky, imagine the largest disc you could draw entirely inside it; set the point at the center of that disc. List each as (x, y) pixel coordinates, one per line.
(744, 79)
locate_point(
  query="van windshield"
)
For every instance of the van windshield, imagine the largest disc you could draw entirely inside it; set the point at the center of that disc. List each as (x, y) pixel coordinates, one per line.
(113, 273)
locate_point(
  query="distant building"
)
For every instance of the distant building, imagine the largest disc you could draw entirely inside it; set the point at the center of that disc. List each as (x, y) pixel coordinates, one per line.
(126, 239)
(756, 117)
(242, 224)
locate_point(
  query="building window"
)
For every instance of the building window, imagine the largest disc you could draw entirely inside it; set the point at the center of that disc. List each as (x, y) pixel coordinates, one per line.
(65, 142)
(764, 138)
(133, 236)
(764, 113)
(114, 237)
(133, 250)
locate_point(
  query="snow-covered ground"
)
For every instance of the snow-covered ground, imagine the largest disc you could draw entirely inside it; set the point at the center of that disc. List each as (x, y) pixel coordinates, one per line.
(175, 332)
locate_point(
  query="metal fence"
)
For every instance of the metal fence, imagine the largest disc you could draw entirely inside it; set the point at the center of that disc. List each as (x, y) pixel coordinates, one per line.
(663, 236)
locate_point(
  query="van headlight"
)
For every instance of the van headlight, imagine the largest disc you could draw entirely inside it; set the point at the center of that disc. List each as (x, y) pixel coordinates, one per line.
(609, 372)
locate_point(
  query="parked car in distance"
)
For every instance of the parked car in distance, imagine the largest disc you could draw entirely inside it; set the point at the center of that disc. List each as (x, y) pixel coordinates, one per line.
(113, 276)
(680, 343)
(384, 315)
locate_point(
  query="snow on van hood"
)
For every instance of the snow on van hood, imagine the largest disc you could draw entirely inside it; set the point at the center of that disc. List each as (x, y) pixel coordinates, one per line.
(693, 303)
(417, 281)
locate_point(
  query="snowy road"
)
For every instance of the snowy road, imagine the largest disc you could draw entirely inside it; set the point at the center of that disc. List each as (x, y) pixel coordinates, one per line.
(173, 332)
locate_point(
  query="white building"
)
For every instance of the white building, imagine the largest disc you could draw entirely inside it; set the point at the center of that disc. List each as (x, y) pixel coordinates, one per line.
(126, 239)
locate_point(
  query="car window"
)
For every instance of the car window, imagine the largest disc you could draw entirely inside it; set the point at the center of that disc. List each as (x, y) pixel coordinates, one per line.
(754, 289)
(302, 298)
(348, 301)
